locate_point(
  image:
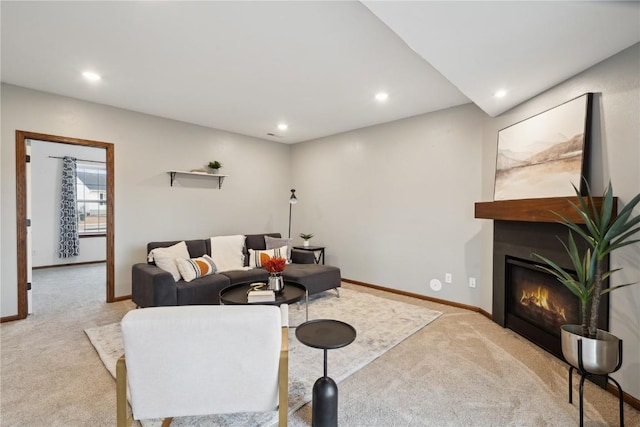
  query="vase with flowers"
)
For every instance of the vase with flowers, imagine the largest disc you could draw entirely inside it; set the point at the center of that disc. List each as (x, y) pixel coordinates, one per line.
(275, 267)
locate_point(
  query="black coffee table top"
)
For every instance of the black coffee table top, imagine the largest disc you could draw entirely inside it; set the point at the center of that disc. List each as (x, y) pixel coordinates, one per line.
(325, 333)
(237, 294)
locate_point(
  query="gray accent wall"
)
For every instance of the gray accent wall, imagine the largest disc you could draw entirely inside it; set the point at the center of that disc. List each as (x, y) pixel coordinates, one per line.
(394, 203)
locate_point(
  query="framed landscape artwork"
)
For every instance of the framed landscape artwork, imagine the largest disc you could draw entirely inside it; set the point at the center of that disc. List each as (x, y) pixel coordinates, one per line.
(544, 154)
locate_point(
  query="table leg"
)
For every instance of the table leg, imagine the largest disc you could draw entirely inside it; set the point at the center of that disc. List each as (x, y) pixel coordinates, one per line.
(324, 406)
(324, 409)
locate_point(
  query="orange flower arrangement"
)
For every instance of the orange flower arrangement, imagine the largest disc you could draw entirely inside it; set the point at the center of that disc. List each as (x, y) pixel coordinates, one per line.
(274, 264)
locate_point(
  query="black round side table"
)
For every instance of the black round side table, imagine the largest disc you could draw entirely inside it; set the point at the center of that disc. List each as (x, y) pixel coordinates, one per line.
(325, 334)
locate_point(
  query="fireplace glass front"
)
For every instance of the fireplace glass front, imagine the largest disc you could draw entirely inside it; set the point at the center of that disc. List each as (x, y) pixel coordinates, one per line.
(537, 304)
(536, 296)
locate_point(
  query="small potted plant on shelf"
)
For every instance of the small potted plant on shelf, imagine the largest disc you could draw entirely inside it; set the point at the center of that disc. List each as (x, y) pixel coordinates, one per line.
(604, 232)
(214, 166)
(306, 238)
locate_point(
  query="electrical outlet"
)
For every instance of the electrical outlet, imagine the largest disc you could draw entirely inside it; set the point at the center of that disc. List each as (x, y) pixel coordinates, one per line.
(472, 282)
(448, 278)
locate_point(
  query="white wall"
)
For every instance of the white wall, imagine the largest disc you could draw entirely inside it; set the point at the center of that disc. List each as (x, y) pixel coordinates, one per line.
(394, 203)
(46, 175)
(253, 198)
(615, 156)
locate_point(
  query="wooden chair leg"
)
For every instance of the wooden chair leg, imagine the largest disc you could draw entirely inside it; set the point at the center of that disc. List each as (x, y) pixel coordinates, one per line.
(166, 422)
(121, 394)
(283, 380)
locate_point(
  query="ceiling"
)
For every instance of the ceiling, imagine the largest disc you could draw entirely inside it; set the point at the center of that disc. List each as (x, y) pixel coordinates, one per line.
(245, 67)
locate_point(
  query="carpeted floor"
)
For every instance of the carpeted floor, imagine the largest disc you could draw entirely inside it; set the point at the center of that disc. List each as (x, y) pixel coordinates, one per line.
(392, 323)
(51, 375)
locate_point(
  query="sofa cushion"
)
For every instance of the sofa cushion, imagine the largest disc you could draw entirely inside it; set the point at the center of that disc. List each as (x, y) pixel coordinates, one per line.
(196, 247)
(275, 242)
(195, 267)
(246, 276)
(316, 278)
(227, 252)
(204, 290)
(256, 241)
(165, 257)
(257, 258)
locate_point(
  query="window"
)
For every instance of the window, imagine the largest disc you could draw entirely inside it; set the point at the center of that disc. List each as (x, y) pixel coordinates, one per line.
(91, 187)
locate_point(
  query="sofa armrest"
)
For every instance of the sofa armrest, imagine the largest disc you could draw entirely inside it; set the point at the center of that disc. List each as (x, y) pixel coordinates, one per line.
(302, 257)
(151, 286)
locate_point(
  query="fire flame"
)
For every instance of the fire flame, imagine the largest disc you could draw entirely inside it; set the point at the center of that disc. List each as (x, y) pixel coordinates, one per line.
(540, 298)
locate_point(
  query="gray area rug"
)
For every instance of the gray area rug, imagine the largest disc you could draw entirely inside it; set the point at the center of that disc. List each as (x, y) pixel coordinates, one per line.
(380, 324)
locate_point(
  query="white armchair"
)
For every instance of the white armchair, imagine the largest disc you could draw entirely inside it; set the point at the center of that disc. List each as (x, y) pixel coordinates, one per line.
(201, 360)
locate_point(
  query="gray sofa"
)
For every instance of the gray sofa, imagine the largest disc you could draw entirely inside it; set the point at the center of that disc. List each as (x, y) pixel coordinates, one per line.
(151, 286)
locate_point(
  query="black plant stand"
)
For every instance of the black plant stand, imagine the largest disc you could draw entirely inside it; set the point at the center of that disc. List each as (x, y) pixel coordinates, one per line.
(584, 374)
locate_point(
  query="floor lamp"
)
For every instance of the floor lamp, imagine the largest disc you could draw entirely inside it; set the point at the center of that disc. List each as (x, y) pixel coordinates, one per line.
(292, 201)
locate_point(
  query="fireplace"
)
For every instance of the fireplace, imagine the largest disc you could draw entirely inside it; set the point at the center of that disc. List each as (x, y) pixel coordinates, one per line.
(526, 298)
(522, 228)
(537, 304)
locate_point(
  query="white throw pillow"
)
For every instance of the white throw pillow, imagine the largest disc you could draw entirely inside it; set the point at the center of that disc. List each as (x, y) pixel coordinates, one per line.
(226, 252)
(195, 267)
(256, 258)
(165, 258)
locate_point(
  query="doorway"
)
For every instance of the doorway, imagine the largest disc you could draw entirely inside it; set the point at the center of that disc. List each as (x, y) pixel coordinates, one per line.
(23, 222)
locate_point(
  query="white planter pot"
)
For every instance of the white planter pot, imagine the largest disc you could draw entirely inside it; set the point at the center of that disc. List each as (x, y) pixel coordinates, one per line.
(599, 356)
(305, 243)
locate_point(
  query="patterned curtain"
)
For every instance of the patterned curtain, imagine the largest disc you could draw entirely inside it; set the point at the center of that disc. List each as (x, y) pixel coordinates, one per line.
(69, 241)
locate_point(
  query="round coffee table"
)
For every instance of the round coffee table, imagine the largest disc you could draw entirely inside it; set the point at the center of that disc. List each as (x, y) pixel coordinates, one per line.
(292, 292)
(325, 334)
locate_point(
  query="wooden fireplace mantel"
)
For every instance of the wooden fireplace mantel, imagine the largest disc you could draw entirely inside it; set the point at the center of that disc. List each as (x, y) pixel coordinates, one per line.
(534, 210)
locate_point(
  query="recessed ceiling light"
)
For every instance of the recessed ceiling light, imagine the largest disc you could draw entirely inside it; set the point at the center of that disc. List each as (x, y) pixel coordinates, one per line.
(91, 76)
(283, 126)
(500, 94)
(381, 97)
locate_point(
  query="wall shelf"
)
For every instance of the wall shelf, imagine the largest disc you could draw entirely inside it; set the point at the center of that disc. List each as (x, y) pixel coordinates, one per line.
(534, 210)
(220, 178)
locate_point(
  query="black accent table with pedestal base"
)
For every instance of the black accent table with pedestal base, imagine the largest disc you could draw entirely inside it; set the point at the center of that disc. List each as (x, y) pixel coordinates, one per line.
(325, 334)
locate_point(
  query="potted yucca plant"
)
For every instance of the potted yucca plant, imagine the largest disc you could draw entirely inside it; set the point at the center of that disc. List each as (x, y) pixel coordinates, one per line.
(604, 232)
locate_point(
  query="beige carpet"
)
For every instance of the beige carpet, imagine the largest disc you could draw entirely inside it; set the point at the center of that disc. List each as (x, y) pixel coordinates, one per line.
(52, 376)
(380, 324)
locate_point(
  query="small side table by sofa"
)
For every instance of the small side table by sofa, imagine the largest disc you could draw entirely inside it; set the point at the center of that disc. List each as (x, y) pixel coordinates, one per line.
(325, 334)
(314, 249)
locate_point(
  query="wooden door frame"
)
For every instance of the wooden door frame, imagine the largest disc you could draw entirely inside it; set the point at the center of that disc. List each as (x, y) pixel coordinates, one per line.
(21, 210)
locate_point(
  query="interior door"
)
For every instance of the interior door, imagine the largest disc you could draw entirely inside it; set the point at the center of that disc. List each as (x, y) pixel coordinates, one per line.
(29, 229)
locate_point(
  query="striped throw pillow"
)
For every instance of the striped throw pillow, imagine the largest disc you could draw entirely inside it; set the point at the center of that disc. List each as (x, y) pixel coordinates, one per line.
(193, 268)
(256, 258)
